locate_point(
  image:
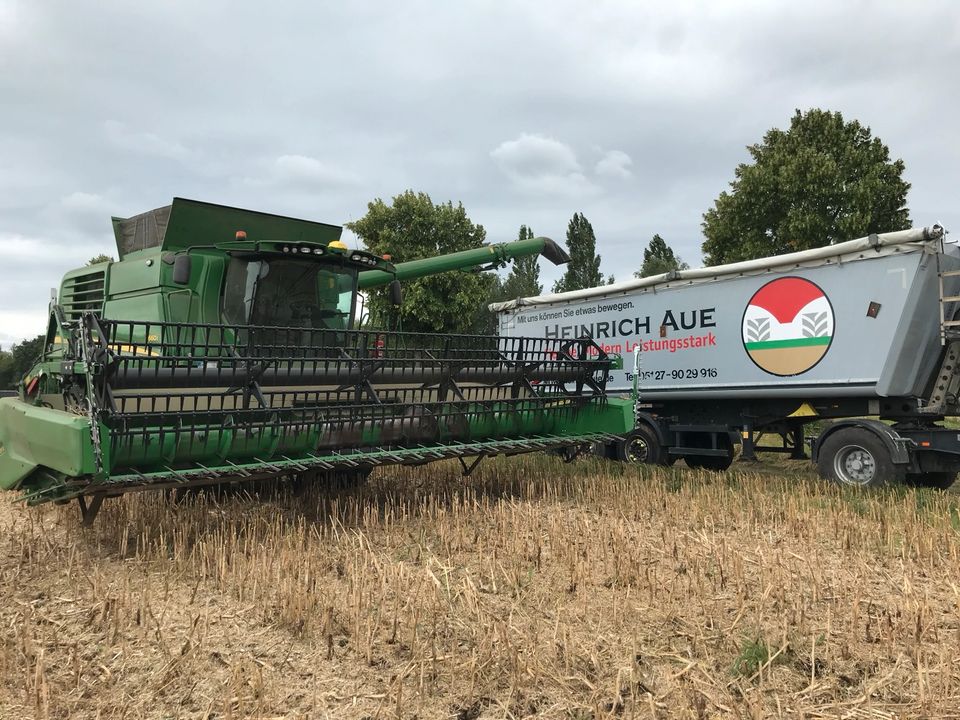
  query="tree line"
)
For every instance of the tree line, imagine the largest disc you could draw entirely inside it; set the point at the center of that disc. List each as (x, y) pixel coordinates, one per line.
(17, 361)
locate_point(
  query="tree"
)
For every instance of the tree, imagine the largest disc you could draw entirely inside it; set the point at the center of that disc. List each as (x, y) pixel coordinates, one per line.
(101, 258)
(658, 258)
(524, 277)
(411, 228)
(583, 270)
(22, 356)
(6, 370)
(822, 181)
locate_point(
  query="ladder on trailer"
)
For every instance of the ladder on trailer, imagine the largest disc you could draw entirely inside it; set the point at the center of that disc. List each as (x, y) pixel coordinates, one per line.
(949, 327)
(946, 389)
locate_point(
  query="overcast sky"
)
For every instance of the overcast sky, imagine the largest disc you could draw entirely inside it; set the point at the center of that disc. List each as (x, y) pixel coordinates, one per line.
(634, 113)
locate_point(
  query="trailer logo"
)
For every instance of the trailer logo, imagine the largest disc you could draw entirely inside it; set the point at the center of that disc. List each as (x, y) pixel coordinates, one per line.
(788, 326)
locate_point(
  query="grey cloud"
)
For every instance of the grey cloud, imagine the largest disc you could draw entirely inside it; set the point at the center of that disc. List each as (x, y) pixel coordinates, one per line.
(614, 164)
(302, 171)
(142, 142)
(542, 165)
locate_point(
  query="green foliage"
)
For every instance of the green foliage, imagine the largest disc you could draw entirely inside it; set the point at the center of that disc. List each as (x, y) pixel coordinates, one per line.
(485, 323)
(658, 258)
(583, 270)
(97, 259)
(6, 369)
(822, 181)
(15, 364)
(524, 277)
(412, 228)
(754, 653)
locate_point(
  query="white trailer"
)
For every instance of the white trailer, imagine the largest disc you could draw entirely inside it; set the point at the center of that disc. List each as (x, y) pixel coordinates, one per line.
(860, 328)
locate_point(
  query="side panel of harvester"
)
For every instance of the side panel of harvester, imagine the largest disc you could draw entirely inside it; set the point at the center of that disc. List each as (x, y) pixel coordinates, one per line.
(864, 324)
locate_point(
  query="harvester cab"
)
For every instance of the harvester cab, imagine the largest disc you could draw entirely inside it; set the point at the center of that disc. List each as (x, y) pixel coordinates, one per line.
(295, 286)
(222, 346)
(270, 270)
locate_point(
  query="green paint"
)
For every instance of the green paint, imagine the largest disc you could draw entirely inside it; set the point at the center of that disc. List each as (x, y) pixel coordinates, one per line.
(489, 255)
(48, 454)
(189, 223)
(36, 438)
(792, 343)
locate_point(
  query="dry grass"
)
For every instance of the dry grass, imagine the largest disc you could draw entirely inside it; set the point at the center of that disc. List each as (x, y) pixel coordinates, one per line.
(532, 588)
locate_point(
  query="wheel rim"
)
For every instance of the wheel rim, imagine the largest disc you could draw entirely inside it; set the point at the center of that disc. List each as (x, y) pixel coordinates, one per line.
(638, 450)
(854, 465)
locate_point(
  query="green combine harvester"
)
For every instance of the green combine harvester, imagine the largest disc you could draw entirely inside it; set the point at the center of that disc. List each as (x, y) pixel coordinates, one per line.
(223, 346)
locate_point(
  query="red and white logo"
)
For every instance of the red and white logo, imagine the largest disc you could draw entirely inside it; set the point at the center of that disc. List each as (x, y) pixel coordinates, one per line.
(788, 326)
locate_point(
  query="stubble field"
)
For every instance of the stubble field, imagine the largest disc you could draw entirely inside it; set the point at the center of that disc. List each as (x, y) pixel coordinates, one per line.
(532, 588)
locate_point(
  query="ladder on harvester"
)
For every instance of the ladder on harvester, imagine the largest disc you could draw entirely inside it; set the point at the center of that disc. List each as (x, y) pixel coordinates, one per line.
(946, 390)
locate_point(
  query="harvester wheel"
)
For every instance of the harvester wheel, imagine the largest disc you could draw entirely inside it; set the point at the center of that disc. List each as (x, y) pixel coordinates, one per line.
(938, 480)
(570, 453)
(857, 457)
(642, 446)
(348, 479)
(716, 463)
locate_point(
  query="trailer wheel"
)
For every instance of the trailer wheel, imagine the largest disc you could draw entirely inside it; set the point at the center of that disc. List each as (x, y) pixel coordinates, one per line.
(641, 446)
(857, 457)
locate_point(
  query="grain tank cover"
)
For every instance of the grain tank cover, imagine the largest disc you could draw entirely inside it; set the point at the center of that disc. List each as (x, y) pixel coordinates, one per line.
(829, 254)
(189, 223)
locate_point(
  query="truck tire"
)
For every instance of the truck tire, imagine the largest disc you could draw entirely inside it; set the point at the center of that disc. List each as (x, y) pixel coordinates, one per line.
(858, 458)
(642, 446)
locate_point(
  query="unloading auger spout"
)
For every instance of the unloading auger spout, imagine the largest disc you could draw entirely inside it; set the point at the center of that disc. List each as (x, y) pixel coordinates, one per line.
(484, 258)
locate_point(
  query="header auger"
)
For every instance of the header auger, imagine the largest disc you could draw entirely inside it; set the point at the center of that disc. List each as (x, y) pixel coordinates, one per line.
(222, 347)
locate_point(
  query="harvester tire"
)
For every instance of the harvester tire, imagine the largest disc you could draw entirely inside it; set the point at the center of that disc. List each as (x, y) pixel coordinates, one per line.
(642, 446)
(350, 478)
(715, 463)
(571, 453)
(938, 480)
(858, 458)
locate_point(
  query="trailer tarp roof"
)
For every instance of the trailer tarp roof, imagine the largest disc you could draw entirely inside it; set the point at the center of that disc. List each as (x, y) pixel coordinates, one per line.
(875, 242)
